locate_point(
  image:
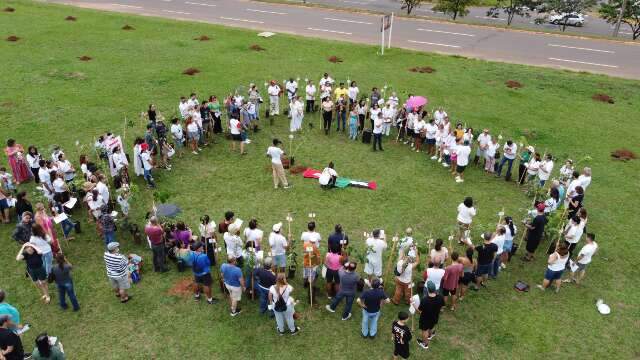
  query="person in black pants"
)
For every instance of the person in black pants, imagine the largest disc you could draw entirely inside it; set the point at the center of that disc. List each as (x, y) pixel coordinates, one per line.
(377, 134)
(327, 113)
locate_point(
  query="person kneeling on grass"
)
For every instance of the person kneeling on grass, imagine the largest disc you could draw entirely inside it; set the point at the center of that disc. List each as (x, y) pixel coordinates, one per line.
(234, 282)
(328, 177)
(429, 311)
(282, 304)
(401, 336)
(555, 267)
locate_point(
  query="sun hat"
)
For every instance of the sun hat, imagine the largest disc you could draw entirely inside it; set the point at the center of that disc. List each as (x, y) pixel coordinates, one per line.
(88, 186)
(112, 246)
(277, 227)
(144, 147)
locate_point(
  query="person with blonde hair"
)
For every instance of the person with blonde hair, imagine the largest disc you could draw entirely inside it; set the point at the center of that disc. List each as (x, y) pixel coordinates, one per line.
(555, 267)
(281, 302)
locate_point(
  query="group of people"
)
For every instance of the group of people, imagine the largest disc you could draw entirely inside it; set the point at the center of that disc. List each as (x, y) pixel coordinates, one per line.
(258, 266)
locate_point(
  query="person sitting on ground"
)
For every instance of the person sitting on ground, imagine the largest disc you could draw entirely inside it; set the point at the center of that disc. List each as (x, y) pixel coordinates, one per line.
(328, 177)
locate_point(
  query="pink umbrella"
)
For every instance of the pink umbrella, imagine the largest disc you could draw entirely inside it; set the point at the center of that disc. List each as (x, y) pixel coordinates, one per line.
(416, 102)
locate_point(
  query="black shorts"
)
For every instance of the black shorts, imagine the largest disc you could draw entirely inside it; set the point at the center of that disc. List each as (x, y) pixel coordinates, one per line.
(446, 292)
(460, 168)
(204, 279)
(428, 324)
(467, 278)
(431, 141)
(401, 350)
(332, 276)
(236, 137)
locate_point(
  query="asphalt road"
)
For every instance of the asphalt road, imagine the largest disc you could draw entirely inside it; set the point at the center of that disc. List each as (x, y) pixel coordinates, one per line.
(593, 24)
(580, 54)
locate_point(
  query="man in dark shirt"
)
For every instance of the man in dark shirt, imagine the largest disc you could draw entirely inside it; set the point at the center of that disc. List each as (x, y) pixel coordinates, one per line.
(370, 301)
(265, 278)
(155, 232)
(338, 240)
(401, 335)
(429, 310)
(486, 253)
(348, 286)
(22, 233)
(10, 343)
(535, 232)
(223, 226)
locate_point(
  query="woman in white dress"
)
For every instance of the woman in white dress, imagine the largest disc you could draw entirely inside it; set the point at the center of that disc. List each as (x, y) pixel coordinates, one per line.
(137, 163)
(296, 114)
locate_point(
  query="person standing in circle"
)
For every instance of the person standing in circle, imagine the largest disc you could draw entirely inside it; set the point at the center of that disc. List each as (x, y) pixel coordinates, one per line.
(275, 153)
(466, 212)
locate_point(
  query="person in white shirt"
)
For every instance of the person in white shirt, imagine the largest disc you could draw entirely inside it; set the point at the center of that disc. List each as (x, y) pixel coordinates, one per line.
(490, 156)
(579, 268)
(103, 189)
(279, 246)
(376, 244)
(235, 128)
(33, 159)
(440, 137)
(405, 266)
(65, 167)
(275, 153)
(178, 135)
(431, 130)
(147, 164)
(283, 290)
(509, 154)
(572, 233)
(233, 242)
(545, 169)
(566, 171)
(498, 239)
(405, 246)
(419, 129)
(353, 93)
(466, 212)
(274, 98)
(328, 177)
(292, 88)
(484, 140)
(439, 115)
(311, 235)
(296, 113)
(448, 147)
(310, 96)
(532, 167)
(253, 235)
(377, 127)
(183, 107)
(434, 274)
(585, 178)
(412, 119)
(120, 163)
(463, 152)
(387, 118)
(393, 100)
(326, 80)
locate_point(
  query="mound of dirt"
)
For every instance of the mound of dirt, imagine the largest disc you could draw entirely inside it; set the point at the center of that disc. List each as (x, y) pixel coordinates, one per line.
(190, 71)
(13, 38)
(183, 287)
(512, 84)
(623, 154)
(422, 69)
(603, 98)
(298, 169)
(85, 58)
(8, 9)
(334, 59)
(202, 38)
(128, 27)
(256, 47)
(71, 18)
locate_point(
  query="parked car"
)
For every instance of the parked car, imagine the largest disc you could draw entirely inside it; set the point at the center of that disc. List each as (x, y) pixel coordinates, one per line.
(571, 19)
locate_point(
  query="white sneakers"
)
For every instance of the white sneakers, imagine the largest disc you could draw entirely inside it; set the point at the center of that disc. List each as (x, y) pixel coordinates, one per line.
(434, 157)
(328, 307)
(458, 179)
(445, 165)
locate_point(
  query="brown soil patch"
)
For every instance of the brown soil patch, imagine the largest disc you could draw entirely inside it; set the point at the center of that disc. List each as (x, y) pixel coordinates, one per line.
(183, 287)
(512, 84)
(128, 27)
(202, 38)
(298, 169)
(85, 58)
(76, 75)
(623, 154)
(334, 59)
(71, 18)
(191, 71)
(8, 9)
(256, 47)
(13, 38)
(422, 69)
(6, 104)
(603, 98)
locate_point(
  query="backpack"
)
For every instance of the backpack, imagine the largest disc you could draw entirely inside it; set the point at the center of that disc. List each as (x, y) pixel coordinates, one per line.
(280, 305)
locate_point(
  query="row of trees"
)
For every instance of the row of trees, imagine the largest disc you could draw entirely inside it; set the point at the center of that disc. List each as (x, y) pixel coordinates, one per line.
(609, 11)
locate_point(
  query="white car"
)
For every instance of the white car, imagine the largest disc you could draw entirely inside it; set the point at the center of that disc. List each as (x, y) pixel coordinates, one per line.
(572, 19)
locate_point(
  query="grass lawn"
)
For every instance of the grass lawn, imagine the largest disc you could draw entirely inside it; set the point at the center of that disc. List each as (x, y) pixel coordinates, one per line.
(48, 96)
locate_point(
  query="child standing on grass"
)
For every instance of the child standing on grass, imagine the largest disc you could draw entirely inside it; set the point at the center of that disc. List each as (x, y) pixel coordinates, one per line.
(401, 335)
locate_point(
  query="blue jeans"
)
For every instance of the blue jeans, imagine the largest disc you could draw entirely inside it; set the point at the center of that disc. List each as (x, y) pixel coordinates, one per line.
(377, 139)
(347, 306)
(370, 323)
(341, 115)
(148, 178)
(109, 237)
(67, 226)
(495, 267)
(67, 289)
(264, 300)
(504, 160)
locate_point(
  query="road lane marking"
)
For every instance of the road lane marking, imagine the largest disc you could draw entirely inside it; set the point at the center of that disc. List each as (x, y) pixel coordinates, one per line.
(445, 32)
(489, 18)
(583, 62)
(128, 6)
(176, 12)
(330, 31)
(199, 4)
(350, 21)
(581, 48)
(242, 20)
(267, 12)
(435, 44)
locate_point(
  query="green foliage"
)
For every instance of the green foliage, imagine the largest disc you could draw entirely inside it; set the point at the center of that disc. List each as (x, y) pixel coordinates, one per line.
(161, 196)
(453, 8)
(409, 5)
(511, 8)
(610, 11)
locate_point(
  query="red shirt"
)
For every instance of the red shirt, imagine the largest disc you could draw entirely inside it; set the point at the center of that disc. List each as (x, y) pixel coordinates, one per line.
(154, 233)
(452, 274)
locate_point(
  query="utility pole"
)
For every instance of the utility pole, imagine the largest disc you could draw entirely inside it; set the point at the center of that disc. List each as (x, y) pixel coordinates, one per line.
(616, 29)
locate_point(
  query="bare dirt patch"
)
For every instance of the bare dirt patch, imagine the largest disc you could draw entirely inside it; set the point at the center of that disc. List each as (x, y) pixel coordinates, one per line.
(128, 27)
(512, 84)
(183, 287)
(334, 59)
(190, 71)
(12, 38)
(85, 58)
(71, 18)
(298, 169)
(8, 9)
(623, 154)
(202, 38)
(603, 98)
(256, 47)
(422, 69)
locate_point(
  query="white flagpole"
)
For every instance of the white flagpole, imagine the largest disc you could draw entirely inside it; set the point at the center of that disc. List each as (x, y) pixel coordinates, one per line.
(382, 37)
(390, 31)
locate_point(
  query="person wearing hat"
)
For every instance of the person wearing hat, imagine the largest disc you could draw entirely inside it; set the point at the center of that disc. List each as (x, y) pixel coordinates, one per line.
(233, 242)
(535, 231)
(377, 244)
(147, 164)
(279, 247)
(117, 272)
(275, 152)
(201, 267)
(371, 301)
(429, 311)
(274, 98)
(509, 154)
(349, 279)
(234, 282)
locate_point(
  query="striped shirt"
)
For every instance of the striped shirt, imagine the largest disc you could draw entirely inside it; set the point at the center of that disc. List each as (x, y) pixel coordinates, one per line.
(116, 265)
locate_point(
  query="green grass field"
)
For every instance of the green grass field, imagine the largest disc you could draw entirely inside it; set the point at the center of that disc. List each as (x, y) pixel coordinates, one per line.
(48, 96)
